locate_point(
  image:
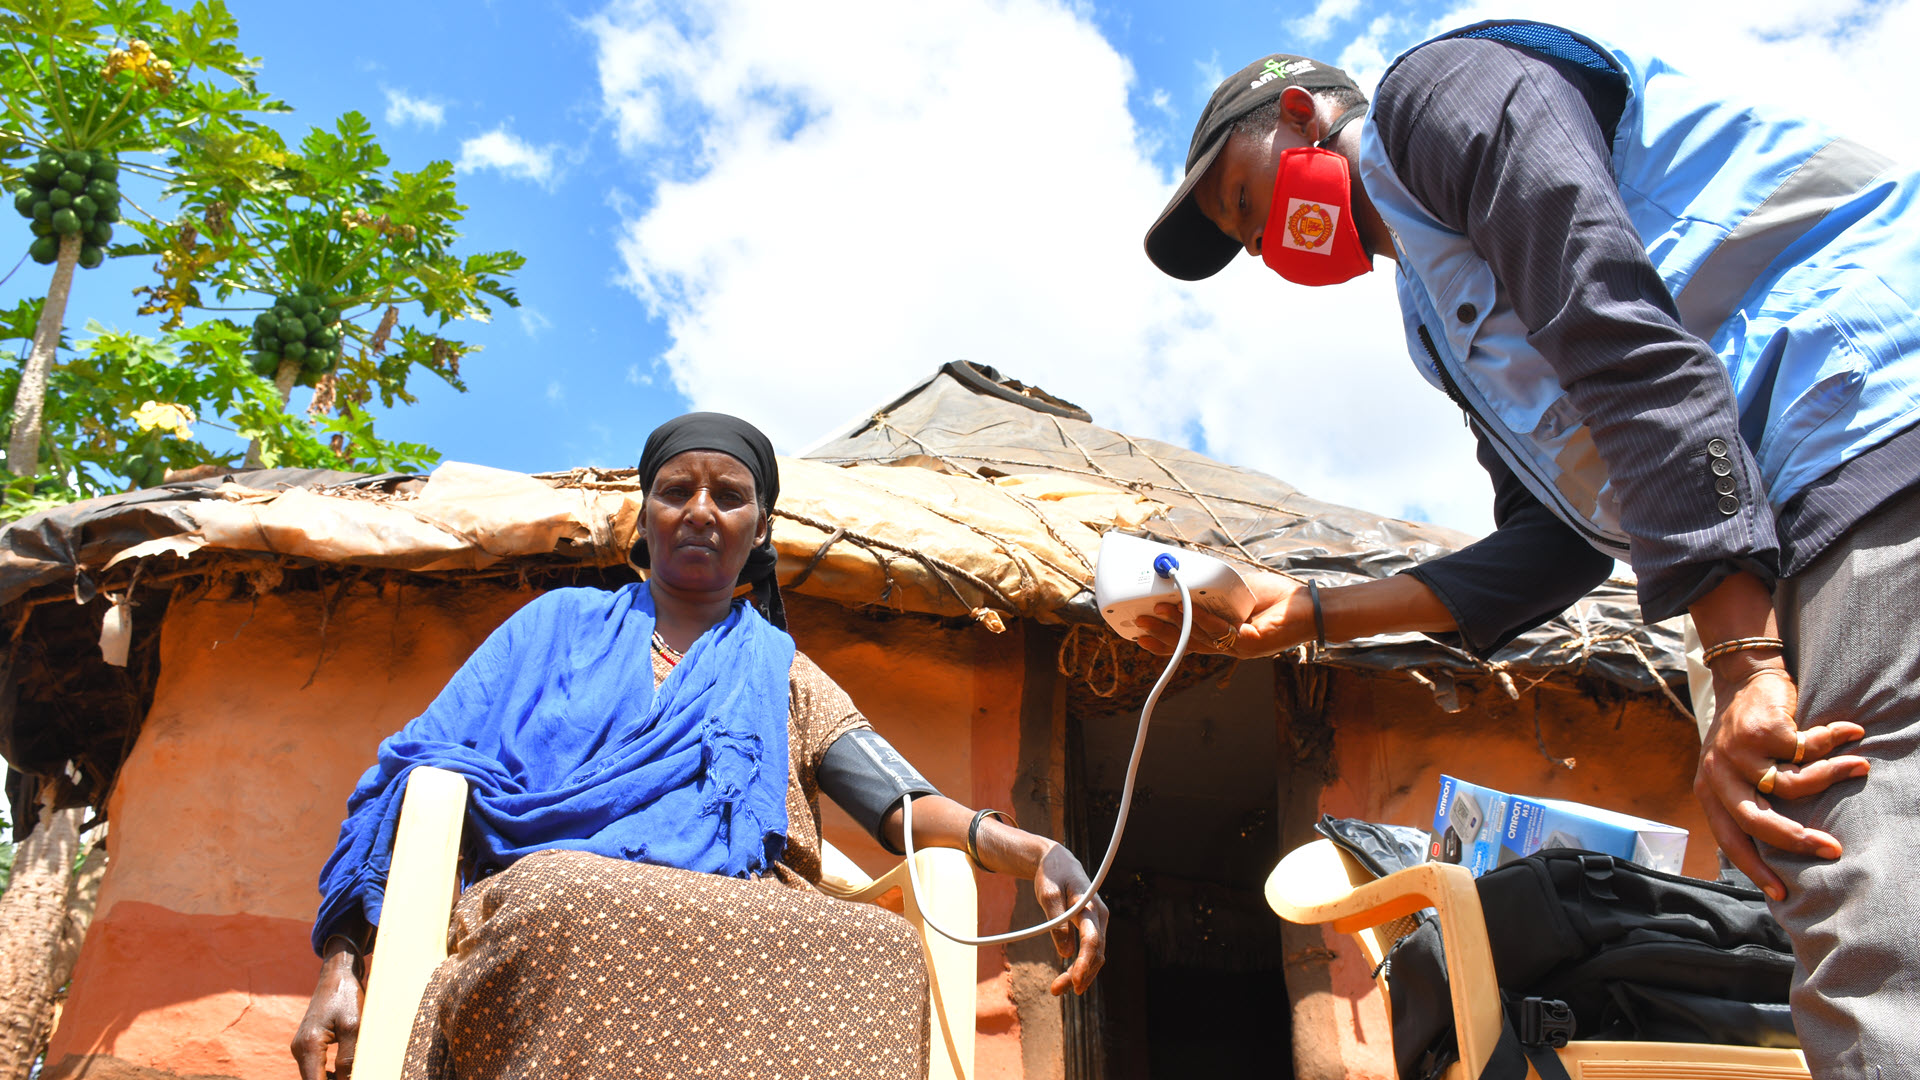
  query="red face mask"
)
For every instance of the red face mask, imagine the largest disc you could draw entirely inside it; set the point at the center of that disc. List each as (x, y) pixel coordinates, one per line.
(1310, 237)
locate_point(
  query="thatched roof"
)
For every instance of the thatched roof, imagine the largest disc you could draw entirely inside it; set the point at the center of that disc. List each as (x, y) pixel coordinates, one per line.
(969, 497)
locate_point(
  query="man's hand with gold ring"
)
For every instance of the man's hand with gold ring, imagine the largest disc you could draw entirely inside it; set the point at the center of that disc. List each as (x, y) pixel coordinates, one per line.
(1747, 760)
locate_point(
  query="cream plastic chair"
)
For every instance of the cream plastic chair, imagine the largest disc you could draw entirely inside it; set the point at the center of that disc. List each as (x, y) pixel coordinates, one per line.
(1319, 883)
(419, 906)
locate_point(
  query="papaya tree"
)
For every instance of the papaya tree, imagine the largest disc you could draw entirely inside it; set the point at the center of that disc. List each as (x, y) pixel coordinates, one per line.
(346, 264)
(96, 91)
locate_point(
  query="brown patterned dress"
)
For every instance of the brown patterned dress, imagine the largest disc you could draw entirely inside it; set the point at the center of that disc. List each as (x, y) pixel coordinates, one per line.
(571, 965)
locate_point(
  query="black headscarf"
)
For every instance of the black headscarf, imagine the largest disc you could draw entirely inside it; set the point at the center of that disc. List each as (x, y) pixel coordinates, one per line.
(743, 442)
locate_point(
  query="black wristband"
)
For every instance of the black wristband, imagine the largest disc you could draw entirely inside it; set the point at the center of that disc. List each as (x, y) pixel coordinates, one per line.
(1319, 616)
(973, 833)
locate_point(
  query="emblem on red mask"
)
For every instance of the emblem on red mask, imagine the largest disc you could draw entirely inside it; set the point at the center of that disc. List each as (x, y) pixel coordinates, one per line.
(1309, 225)
(1309, 237)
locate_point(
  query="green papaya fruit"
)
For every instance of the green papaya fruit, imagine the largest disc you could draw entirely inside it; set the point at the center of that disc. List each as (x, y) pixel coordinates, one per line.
(66, 222)
(311, 322)
(316, 362)
(40, 228)
(99, 233)
(91, 255)
(291, 330)
(110, 212)
(43, 210)
(84, 206)
(24, 199)
(45, 250)
(102, 191)
(78, 161)
(75, 182)
(105, 168)
(293, 350)
(61, 198)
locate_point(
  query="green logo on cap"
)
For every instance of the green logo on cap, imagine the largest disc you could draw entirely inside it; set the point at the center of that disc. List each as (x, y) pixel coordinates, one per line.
(1276, 68)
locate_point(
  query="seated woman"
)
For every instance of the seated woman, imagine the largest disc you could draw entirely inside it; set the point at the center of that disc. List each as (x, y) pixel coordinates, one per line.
(645, 767)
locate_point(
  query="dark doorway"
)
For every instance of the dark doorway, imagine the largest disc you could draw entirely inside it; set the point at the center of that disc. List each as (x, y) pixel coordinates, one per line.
(1193, 984)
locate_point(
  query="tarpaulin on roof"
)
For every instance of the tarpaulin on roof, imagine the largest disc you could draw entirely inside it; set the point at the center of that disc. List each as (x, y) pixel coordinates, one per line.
(967, 419)
(969, 496)
(909, 539)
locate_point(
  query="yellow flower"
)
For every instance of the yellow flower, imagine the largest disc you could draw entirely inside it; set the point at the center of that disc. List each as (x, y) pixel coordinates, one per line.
(165, 416)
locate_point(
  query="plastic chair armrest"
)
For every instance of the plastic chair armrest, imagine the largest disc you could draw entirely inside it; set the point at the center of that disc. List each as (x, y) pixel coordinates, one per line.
(412, 937)
(1311, 886)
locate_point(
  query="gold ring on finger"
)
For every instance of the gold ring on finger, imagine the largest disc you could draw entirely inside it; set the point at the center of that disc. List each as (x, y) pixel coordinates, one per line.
(1767, 779)
(1799, 747)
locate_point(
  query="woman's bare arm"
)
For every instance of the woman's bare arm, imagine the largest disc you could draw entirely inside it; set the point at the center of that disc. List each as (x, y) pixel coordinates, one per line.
(1059, 881)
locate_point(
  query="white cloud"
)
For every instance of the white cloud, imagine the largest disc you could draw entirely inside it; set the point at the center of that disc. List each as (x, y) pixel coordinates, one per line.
(1365, 57)
(635, 377)
(532, 321)
(556, 393)
(1317, 25)
(924, 211)
(404, 109)
(1163, 101)
(510, 154)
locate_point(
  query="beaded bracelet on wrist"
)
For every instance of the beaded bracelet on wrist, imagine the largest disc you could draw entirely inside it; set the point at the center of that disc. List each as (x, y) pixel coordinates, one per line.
(1745, 644)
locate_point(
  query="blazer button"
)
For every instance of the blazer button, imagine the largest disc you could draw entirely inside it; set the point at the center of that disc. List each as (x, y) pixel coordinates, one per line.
(1721, 467)
(1729, 505)
(1466, 313)
(1724, 485)
(1717, 447)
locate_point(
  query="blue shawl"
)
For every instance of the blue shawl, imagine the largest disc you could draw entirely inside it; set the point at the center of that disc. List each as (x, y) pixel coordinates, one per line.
(556, 724)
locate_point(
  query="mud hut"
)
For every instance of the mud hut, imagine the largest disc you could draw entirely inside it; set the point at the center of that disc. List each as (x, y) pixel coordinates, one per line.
(272, 626)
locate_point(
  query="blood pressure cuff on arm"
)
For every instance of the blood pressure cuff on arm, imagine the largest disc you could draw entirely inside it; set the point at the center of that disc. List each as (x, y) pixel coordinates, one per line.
(867, 777)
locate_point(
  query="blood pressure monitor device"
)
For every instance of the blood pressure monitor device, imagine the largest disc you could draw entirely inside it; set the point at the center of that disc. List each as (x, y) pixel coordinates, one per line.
(1130, 577)
(1465, 816)
(1126, 584)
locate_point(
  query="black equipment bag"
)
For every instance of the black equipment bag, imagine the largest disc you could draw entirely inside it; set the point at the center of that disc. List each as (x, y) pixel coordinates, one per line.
(1590, 946)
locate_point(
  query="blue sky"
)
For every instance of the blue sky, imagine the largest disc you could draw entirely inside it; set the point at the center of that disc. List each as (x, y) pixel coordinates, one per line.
(794, 211)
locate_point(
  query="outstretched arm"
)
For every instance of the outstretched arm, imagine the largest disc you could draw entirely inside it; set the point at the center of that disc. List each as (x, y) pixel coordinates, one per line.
(1059, 881)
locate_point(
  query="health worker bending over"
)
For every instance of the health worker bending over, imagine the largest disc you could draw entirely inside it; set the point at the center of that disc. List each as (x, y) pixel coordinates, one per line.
(645, 767)
(1683, 329)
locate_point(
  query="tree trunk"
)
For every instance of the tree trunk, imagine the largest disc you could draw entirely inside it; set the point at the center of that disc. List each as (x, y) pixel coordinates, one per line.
(283, 381)
(32, 919)
(30, 401)
(83, 894)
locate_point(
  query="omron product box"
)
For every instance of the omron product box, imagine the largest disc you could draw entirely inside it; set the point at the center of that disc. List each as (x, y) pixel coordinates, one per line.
(1482, 828)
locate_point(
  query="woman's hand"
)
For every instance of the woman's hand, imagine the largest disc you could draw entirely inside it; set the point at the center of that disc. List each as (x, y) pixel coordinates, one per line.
(1282, 618)
(1754, 728)
(1059, 881)
(1058, 884)
(333, 1017)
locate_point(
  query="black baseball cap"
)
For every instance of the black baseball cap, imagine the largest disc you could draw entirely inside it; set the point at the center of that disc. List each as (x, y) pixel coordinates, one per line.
(1182, 241)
